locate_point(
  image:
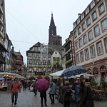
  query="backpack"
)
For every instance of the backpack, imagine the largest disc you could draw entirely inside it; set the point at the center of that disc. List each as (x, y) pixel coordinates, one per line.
(67, 94)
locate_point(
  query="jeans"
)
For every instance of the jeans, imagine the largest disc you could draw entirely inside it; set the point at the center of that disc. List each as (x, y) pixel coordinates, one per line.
(66, 104)
(52, 98)
(43, 97)
(14, 98)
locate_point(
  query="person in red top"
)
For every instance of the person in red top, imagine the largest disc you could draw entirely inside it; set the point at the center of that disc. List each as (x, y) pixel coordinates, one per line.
(15, 88)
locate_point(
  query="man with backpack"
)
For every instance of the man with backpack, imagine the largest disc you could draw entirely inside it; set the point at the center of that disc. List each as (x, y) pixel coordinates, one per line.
(67, 95)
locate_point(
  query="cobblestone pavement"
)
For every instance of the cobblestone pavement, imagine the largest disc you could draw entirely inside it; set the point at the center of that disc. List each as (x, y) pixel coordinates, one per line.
(27, 99)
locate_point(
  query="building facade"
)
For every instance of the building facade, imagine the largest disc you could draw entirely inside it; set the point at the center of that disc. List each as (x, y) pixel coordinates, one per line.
(90, 36)
(19, 64)
(69, 52)
(56, 61)
(2, 35)
(8, 55)
(37, 59)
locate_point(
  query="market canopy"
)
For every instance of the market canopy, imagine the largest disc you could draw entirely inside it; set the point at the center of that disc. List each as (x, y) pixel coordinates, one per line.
(86, 75)
(73, 71)
(58, 73)
(11, 75)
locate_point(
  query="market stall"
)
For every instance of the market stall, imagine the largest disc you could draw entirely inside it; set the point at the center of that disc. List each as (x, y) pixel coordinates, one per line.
(11, 75)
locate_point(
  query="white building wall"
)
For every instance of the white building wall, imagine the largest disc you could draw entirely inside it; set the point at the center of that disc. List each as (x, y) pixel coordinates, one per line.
(56, 55)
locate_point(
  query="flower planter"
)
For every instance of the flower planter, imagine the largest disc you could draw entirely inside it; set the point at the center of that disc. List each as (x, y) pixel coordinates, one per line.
(100, 95)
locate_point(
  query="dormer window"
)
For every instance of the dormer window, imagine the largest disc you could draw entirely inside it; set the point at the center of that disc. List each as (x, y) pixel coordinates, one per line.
(78, 20)
(92, 4)
(87, 11)
(82, 16)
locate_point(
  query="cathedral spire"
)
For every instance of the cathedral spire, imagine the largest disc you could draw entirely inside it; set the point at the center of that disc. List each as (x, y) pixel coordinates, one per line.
(52, 27)
(52, 20)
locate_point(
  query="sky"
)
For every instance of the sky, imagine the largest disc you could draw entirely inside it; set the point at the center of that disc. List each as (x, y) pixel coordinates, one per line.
(27, 21)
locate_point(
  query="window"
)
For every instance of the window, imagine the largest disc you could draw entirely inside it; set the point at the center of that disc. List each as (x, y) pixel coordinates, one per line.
(94, 16)
(104, 25)
(83, 26)
(92, 51)
(38, 48)
(79, 30)
(99, 48)
(76, 45)
(75, 34)
(105, 43)
(88, 21)
(90, 35)
(101, 9)
(97, 30)
(82, 15)
(87, 11)
(78, 20)
(81, 56)
(77, 58)
(74, 24)
(80, 42)
(86, 52)
(85, 39)
(92, 4)
(29, 54)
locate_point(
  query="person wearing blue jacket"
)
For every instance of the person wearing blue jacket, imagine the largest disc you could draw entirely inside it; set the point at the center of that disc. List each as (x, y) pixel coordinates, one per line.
(52, 91)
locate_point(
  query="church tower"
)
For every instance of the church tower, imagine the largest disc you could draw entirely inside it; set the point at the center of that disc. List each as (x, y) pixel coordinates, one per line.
(52, 27)
(54, 39)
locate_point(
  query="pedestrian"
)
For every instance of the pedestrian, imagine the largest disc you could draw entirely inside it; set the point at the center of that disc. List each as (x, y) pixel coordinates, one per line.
(76, 92)
(86, 99)
(24, 84)
(34, 87)
(66, 95)
(42, 87)
(52, 91)
(15, 88)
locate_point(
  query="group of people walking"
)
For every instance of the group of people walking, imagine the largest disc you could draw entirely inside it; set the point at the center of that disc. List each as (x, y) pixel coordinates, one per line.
(40, 84)
(78, 93)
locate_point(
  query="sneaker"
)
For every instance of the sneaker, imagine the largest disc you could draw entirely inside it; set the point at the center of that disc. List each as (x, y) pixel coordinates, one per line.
(14, 104)
(46, 105)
